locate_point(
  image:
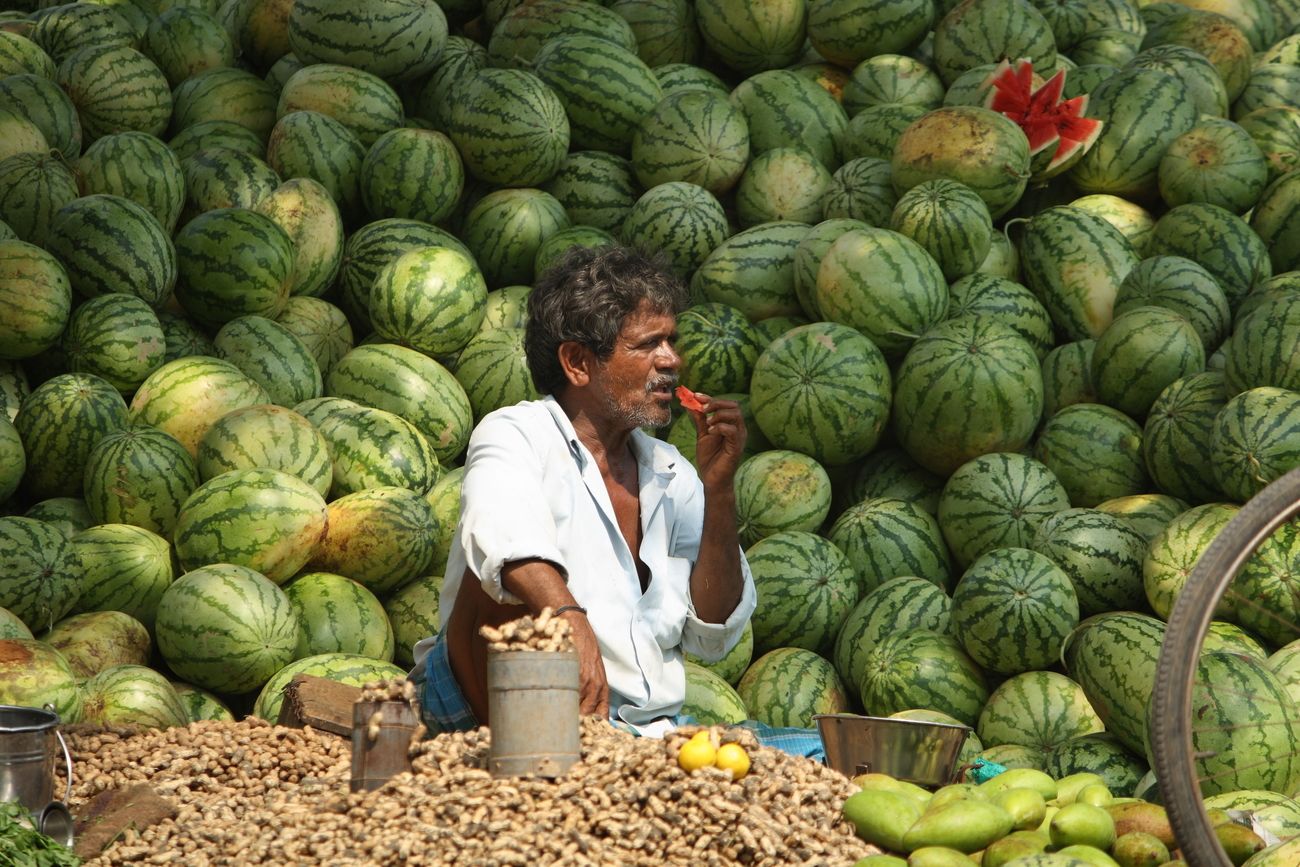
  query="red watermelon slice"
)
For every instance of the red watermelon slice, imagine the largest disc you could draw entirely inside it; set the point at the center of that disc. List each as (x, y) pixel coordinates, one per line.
(1046, 119)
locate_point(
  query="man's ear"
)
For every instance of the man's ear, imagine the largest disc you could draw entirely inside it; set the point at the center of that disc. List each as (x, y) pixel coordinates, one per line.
(576, 361)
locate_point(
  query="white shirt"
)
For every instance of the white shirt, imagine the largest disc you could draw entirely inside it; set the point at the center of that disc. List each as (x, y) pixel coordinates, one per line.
(532, 490)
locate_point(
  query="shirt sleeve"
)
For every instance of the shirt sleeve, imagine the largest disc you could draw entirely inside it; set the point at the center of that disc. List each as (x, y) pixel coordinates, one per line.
(504, 515)
(709, 641)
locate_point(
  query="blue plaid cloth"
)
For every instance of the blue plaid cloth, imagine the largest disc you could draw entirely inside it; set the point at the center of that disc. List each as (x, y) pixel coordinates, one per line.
(443, 707)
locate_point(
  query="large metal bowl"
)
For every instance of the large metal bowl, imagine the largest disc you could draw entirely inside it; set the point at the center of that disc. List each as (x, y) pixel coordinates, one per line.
(920, 752)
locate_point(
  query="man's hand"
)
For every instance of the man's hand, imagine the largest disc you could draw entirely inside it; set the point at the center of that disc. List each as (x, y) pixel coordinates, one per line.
(593, 688)
(720, 440)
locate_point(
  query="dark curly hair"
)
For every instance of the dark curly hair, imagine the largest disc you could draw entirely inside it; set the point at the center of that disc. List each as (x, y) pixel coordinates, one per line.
(584, 297)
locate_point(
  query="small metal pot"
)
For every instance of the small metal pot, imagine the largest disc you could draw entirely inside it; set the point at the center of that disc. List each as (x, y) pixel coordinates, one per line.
(920, 752)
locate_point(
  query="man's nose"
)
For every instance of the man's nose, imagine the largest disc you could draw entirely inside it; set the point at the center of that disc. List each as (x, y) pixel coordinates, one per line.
(668, 357)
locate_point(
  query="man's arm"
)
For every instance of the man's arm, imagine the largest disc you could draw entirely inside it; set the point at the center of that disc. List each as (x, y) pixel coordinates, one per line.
(717, 581)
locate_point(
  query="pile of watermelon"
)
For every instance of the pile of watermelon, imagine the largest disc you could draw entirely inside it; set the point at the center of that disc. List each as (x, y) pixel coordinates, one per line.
(1009, 291)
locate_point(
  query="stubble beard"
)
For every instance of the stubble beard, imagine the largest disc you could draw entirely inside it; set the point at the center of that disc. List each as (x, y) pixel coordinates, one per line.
(645, 411)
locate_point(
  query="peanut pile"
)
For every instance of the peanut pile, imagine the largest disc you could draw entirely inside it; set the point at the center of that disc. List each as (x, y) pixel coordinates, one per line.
(547, 633)
(253, 793)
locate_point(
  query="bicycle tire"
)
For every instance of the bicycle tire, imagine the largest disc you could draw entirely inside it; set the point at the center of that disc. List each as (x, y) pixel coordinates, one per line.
(1170, 726)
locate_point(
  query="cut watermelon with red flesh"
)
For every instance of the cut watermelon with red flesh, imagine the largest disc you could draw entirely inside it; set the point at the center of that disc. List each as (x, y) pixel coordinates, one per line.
(1045, 119)
(688, 399)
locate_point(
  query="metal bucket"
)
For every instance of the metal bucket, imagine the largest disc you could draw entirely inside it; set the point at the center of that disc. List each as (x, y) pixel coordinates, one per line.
(920, 752)
(27, 736)
(533, 713)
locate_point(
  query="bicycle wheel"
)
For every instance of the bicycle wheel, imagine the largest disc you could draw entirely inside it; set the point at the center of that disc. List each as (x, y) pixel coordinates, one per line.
(1173, 724)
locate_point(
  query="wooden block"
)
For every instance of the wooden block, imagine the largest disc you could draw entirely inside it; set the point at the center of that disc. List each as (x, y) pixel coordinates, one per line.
(106, 816)
(320, 703)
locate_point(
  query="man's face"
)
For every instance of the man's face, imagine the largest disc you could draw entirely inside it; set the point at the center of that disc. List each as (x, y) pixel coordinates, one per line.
(637, 379)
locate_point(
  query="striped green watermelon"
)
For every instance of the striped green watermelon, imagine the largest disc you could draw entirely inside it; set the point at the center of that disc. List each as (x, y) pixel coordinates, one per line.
(374, 448)
(116, 89)
(223, 178)
(780, 491)
(63, 29)
(692, 135)
(33, 187)
(21, 136)
(890, 472)
(1149, 514)
(1182, 286)
(922, 669)
(753, 271)
(185, 397)
(824, 390)
(411, 385)
(681, 219)
(322, 327)
(233, 262)
(875, 131)
(1012, 609)
(122, 568)
(1176, 442)
(596, 188)
(1172, 555)
(788, 686)
(808, 256)
(883, 284)
(967, 387)
(996, 501)
(1262, 350)
(1193, 69)
(718, 348)
(1277, 813)
(1075, 262)
(1256, 439)
(1276, 130)
(1275, 218)
(1067, 376)
(885, 538)
(111, 244)
(1097, 753)
(35, 297)
(270, 437)
(41, 572)
(362, 102)
(506, 308)
(116, 337)
(202, 705)
(272, 356)
(184, 41)
(394, 39)
(782, 184)
(139, 167)
(861, 190)
(431, 300)
(552, 250)
(1102, 554)
(1113, 657)
(226, 628)
(98, 640)
(1142, 351)
(45, 104)
(1224, 637)
(1249, 715)
(60, 422)
(676, 77)
(975, 32)
(13, 458)
(306, 212)
(949, 221)
(1095, 451)
(33, 674)
(493, 370)
(606, 90)
(519, 33)
(710, 700)
(1270, 85)
(733, 665)
(782, 108)
(68, 515)
(139, 476)
(851, 33)
(339, 667)
(412, 173)
(132, 695)
(264, 519)
(1004, 300)
(509, 127)
(1217, 240)
(1040, 709)
(381, 538)
(504, 230)
(308, 144)
(372, 247)
(1142, 111)
(183, 337)
(664, 31)
(797, 569)
(218, 133)
(412, 610)
(749, 37)
(899, 605)
(1263, 597)
(1216, 162)
(461, 57)
(20, 55)
(224, 93)
(339, 616)
(975, 146)
(1133, 221)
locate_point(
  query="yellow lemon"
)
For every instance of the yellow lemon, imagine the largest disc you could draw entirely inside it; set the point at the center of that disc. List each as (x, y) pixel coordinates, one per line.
(733, 758)
(696, 754)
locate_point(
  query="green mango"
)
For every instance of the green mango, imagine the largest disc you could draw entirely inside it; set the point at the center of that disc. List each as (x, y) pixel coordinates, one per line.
(938, 856)
(882, 817)
(1139, 849)
(1015, 845)
(1082, 825)
(967, 825)
(1090, 854)
(1068, 787)
(1022, 778)
(1026, 806)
